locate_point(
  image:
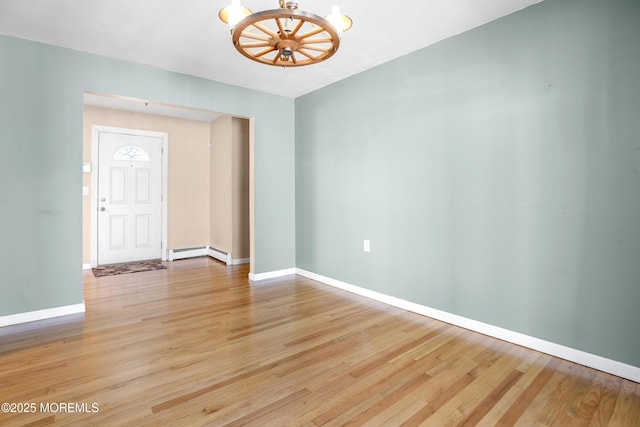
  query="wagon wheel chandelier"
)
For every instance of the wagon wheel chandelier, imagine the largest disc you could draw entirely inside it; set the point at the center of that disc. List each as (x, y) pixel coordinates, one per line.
(287, 36)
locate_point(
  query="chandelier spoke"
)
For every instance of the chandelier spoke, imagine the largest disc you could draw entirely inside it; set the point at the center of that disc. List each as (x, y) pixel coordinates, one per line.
(266, 30)
(255, 36)
(307, 54)
(297, 28)
(314, 47)
(264, 52)
(257, 44)
(280, 28)
(276, 58)
(320, 40)
(312, 32)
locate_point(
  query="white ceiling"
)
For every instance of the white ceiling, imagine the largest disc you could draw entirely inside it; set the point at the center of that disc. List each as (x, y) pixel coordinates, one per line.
(187, 37)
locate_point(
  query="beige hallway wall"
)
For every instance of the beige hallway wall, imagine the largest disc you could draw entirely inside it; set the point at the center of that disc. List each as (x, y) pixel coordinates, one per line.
(221, 196)
(229, 195)
(240, 155)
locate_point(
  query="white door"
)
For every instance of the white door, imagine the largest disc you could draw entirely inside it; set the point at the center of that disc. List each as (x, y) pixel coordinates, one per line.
(129, 197)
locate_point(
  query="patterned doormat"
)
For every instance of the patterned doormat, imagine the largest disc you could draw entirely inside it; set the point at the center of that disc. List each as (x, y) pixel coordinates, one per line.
(127, 267)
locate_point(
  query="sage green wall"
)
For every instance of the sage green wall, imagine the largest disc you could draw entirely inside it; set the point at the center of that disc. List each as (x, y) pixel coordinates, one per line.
(41, 94)
(496, 173)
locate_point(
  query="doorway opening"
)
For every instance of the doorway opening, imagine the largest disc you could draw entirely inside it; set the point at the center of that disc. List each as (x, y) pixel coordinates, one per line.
(187, 217)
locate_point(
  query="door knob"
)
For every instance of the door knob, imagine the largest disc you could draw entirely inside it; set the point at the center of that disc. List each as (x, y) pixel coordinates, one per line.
(102, 209)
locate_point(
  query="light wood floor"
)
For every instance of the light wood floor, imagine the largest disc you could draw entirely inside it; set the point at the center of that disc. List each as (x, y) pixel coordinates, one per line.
(196, 344)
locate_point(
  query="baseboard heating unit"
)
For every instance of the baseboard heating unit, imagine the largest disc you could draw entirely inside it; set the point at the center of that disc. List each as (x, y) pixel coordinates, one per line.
(220, 255)
(175, 254)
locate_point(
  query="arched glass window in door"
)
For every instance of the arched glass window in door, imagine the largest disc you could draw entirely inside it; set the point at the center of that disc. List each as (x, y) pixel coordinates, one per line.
(132, 152)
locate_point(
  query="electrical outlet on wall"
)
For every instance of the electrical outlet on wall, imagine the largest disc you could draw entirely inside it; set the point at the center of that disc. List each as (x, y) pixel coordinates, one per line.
(366, 246)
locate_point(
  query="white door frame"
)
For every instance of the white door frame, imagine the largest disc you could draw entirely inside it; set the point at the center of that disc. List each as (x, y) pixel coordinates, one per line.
(164, 137)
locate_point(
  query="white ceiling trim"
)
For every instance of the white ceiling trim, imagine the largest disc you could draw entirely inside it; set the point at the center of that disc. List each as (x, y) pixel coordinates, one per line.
(148, 107)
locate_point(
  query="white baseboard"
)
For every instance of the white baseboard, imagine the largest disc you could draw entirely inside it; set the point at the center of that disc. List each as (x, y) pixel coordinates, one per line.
(271, 274)
(577, 356)
(86, 266)
(241, 261)
(48, 313)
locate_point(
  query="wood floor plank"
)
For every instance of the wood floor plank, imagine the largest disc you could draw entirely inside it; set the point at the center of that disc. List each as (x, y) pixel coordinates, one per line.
(531, 364)
(626, 412)
(197, 344)
(609, 395)
(489, 383)
(578, 389)
(511, 417)
(493, 396)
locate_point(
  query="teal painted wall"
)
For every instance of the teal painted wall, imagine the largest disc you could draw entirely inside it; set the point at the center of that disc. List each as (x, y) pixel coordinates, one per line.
(41, 154)
(496, 173)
